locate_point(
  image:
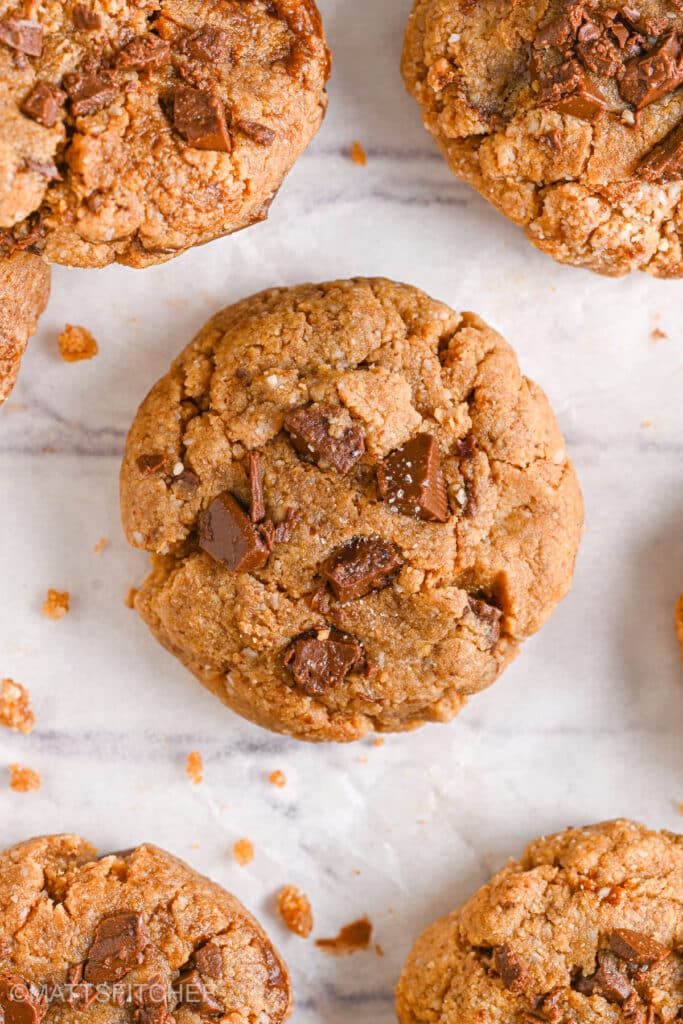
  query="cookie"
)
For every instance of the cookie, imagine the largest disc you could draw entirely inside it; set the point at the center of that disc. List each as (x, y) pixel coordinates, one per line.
(567, 116)
(131, 937)
(357, 508)
(24, 291)
(586, 927)
(134, 130)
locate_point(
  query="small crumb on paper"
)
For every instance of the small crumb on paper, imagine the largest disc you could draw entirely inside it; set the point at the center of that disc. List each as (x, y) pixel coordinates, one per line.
(76, 343)
(130, 597)
(100, 546)
(646, 424)
(295, 910)
(24, 780)
(15, 707)
(678, 619)
(243, 851)
(378, 742)
(657, 334)
(358, 155)
(351, 939)
(277, 778)
(56, 604)
(194, 767)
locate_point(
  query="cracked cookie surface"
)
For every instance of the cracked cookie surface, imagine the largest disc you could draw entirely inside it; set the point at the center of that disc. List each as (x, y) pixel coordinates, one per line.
(357, 508)
(566, 116)
(131, 936)
(24, 291)
(586, 927)
(133, 129)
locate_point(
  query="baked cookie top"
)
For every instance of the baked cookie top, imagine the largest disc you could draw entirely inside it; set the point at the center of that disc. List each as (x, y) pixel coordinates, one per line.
(358, 507)
(129, 937)
(585, 929)
(24, 291)
(566, 115)
(132, 130)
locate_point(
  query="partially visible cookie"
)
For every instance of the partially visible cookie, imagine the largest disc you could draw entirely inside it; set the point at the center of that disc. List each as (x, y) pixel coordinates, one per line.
(356, 504)
(130, 131)
(134, 937)
(678, 621)
(24, 291)
(586, 927)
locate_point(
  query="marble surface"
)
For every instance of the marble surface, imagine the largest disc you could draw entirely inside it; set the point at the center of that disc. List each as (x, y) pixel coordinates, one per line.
(585, 725)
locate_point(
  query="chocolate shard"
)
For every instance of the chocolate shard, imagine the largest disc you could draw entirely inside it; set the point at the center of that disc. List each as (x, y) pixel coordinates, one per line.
(361, 565)
(560, 31)
(88, 93)
(326, 435)
(20, 1001)
(151, 1002)
(199, 118)
(319, 662)
(490, 616)
(85, 19)
(569, 90)
(208, 45)
(258, 133)
(209, 961)
(636, 948)
(43, 103)
(23, 35)
(144, 53)
(609, 979)
(596, 51)
(192, 991)
(513, 972)
(656, 73)
(118, 946)
(151, 463)
(411, 481)
(664, 162)
(227, 534)
(257, 507)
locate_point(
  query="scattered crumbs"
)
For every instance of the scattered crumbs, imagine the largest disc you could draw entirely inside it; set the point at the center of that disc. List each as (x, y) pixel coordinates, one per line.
(678, 619)
(351, 939)
(378, 949)
(295, 910)
(356, 871)
(194, 766)
(196, 846)
(646, 424)
(76, 343)
(15, 707)
(358, 154)
(378, 741)
(363, 759)
(56, 604)
(100, 546)
(23, 780)
(657, 334)
(243, 851)
(421, 821)
(277, 778)
(130, 597)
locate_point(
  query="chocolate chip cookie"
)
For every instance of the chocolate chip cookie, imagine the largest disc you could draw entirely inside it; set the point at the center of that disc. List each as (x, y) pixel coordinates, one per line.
(357, 507)
(133, 130)
(131, 937)
(24, 291)
(586, 927)
(566, 115)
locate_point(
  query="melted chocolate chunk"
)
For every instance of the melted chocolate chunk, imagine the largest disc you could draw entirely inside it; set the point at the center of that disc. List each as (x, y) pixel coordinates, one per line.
(20, 1002)
(144, 53)
(361, 565)
(324, 434)
(150, 464)
(23, 35)
(43, 103)
(227, 534)
(665, 161)
(411, 480)
(596, 52)
(562, 30)
(199, 118)
(319, 663)
(85, 19)
(609, 979)
(208, 45)
(88, 93)
(653, 75)
(258, 133)
(257, 507)
(636, 948)
(192, 991)
(151, 1002)
(118, 947)
(569, 90)
(209, 961)
(511, 968)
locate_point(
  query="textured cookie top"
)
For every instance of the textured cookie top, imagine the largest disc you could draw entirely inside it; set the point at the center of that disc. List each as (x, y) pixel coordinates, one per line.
(129, 937)
(586, 928)
(358, 507)
(566, 115)
(133, 130)
(24, 291)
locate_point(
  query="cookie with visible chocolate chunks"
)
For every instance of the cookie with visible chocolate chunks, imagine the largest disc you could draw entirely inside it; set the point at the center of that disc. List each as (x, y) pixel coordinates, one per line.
(133, 936)
(567, 116)
(585, 927)
(357, 508)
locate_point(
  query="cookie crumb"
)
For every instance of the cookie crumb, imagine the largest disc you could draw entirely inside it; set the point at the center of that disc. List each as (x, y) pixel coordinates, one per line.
(56, 604)
(646, 424)
(243, 851)
(15, 707)
(194, 767)
(76, 343)
(277, 778)
(351, 939)
(378, 742)
(358, 154)
(657, 334)
(24, 780)
(678, 619)
(130, 597)
(294, 908)
(100, 546)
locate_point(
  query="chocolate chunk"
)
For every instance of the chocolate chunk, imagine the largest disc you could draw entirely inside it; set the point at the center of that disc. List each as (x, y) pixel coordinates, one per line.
(187, 480)
(43, 103)
(609, 979)
(257, 508)
(81, 996)
(411, 480)
(20, 1002)
(85, 19)
(489, 615)
(665, 161)
(150, 464)
(208, 45)
(258, 133)
(636, 948)
(199, 118)
(514, 975)
(569, 90)
(320, 662)
(23, 35)
(118, 947)
(326, 435)
(88, 93)
(653, 75)
(144, 53)
(209, 961)
(562, 30)
(45, 167)
(596, 52)
(272, 533)
(192, 991)
(151, 1002)
(226, 533)
(361, 565)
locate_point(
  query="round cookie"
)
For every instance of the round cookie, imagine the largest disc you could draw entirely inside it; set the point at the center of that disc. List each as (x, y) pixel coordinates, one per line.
(586, 927)
(130, 937)
(356, 504)
(132, 130)
(24, 291)
(566, 116)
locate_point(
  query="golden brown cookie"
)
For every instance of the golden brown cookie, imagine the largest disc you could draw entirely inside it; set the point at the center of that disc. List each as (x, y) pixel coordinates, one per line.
(566, 116)
(357, 508)
(133, 130)
(585, 929)
(24, 291)
(129, 937)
